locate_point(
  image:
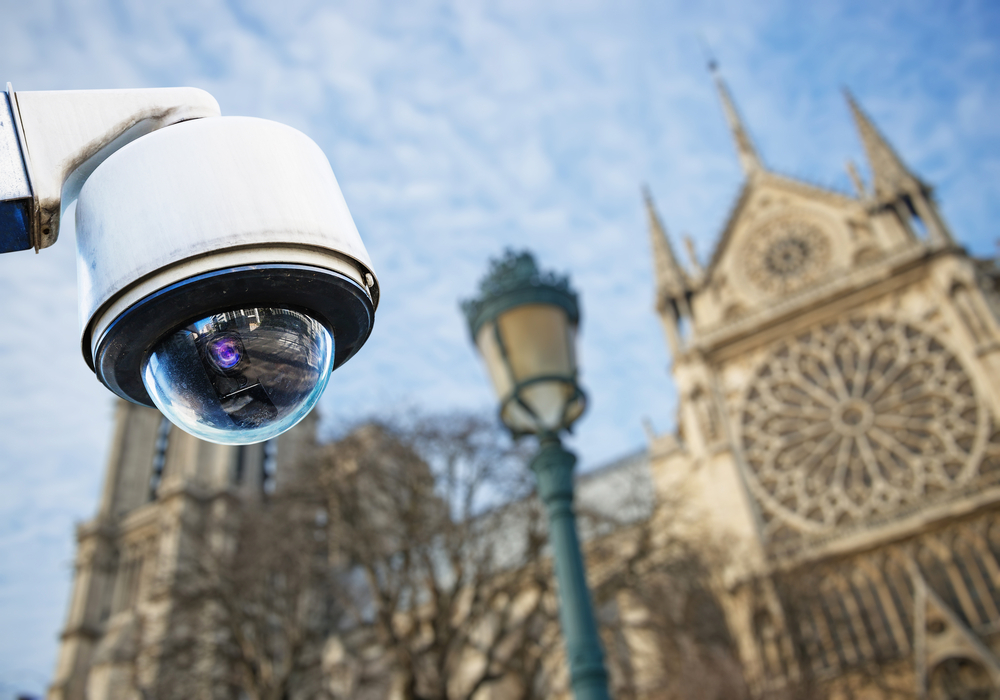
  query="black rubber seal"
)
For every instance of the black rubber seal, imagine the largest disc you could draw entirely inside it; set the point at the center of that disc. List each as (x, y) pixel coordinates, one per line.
(333, 299)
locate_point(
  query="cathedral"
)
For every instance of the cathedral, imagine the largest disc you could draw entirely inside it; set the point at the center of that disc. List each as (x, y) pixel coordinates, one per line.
(837, 368)
(837, 363)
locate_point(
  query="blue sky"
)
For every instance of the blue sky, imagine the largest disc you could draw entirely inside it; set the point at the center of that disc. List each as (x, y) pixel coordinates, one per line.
(456, 129)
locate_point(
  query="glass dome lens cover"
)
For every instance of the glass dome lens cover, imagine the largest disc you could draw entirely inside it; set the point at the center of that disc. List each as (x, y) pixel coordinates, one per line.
(240, 376)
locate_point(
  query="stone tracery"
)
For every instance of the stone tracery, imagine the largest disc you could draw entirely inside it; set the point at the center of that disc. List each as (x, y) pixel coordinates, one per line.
(786, 254)
(857, 419)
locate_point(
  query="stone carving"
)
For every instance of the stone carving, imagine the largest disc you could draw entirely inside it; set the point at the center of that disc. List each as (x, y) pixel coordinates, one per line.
(960, 678)
(965, 304)
(705, 412)
(857, 419)
(786, 254)
(864, 610)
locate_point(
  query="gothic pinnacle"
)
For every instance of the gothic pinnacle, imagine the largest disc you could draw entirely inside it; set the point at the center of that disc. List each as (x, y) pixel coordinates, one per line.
(889, 175)
(744, 146)
(671, 279)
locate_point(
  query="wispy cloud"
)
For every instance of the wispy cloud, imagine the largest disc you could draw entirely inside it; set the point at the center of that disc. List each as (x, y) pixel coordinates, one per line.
(456, 129)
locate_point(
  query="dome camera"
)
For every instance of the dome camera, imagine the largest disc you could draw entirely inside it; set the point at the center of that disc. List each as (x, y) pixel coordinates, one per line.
(221, 277)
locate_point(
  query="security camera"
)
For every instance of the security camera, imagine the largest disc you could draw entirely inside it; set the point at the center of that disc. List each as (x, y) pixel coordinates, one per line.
(221, 276)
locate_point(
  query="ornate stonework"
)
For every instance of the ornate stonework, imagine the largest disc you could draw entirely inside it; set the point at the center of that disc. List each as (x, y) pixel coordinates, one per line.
(859, 418)
(786, 254)
(881, 606)
(851, 351)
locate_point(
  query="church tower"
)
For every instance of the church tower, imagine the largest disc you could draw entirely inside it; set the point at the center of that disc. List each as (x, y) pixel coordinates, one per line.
(161, 484)
(838, 372)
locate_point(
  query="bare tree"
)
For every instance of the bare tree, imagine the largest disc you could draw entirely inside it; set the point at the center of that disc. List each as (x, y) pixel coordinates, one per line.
(410, 559)
(448, 546)
(663, 625)
(252, 602)
(432, 523)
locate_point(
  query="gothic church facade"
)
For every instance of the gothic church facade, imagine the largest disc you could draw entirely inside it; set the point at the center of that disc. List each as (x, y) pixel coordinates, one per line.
(838, 370)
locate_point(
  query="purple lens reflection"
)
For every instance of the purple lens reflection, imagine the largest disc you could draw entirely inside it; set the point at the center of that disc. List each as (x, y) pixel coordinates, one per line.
(226, 352)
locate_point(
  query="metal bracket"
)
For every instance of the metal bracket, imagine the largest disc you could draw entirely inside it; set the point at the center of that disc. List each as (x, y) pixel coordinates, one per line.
(15, 186)
(62, 136)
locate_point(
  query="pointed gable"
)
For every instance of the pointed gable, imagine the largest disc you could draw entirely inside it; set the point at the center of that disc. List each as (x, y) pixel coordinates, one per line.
(784, 237)
(781, 236)
(770, 182)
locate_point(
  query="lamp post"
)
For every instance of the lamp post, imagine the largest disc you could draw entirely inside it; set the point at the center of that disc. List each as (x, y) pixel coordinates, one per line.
(524, 324)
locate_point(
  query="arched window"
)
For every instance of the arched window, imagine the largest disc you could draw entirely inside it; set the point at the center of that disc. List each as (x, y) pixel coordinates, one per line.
(960, 678)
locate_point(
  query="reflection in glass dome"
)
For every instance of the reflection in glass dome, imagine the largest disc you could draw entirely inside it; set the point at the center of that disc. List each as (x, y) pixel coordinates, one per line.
(241, 376)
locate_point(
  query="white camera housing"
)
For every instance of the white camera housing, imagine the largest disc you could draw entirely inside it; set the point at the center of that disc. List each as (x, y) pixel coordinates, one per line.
(183, 214)
(164, 237)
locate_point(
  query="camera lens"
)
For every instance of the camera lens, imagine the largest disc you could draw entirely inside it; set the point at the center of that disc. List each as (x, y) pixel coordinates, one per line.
(241, 376)
(226, 352)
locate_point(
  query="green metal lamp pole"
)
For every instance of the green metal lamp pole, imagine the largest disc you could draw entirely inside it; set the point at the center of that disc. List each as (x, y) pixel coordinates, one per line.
(553, 467)
(524, 324)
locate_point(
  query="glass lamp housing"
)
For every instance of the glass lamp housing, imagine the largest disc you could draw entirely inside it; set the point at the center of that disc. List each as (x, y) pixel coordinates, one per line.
(524, 325)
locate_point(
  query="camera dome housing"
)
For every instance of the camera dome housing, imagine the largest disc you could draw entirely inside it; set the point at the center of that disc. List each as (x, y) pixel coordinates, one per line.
(240, 376)
(167, 246)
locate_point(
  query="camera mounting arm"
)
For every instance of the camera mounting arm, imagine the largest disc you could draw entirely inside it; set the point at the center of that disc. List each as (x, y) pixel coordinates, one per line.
(51, 141)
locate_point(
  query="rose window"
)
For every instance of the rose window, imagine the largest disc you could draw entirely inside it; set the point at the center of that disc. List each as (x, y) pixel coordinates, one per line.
(786, 254)
(856, 419)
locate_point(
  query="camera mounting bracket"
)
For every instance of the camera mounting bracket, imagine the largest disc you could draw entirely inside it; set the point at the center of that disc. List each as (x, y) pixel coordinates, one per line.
(51, 141)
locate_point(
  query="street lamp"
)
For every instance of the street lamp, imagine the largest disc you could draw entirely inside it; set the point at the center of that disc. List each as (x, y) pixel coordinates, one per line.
(524, 324)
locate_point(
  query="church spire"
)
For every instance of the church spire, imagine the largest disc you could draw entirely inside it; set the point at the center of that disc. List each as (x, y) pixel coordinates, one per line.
(744, 146)
(896, 185)
(890, 175)
(671, 280)
(672, 283)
